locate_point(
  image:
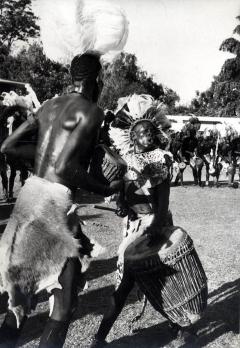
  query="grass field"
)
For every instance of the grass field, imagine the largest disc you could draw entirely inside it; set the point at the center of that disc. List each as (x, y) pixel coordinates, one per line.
(212, 218)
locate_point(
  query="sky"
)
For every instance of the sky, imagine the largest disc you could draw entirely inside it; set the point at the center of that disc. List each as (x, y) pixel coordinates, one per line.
(177, 41)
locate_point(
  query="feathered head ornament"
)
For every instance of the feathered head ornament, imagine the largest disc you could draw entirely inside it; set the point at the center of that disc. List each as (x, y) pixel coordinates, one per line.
(132, 110)
(74, 27)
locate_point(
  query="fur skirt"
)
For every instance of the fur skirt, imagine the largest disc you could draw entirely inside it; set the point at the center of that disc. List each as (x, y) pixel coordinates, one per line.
(37, 241)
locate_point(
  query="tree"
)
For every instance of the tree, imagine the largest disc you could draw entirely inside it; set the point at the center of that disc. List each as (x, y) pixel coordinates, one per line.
(223, 96)
(17, 22)
(31, 65)
(121, 78)
(124, 77)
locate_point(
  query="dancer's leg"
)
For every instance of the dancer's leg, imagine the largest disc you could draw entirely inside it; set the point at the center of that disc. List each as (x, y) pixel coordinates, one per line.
(65, 300)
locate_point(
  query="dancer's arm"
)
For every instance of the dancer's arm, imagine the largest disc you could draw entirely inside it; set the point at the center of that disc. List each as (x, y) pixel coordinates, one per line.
(80, 178)
(11, 145)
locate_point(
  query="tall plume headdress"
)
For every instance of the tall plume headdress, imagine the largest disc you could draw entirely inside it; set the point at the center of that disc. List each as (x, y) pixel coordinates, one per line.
(74, 27)
(132, 110)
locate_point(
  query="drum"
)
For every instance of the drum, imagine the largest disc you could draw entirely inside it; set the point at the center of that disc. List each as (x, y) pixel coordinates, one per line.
(170, 274)
(212, 169)
(231, 169)
(106, 165)
(182, 165)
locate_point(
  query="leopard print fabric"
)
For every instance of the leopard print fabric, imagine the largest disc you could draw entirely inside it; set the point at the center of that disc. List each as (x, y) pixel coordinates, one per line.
(149, 168)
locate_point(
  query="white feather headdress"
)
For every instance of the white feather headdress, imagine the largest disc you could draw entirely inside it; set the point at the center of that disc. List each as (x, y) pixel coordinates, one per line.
(135, 108)
(73, 27)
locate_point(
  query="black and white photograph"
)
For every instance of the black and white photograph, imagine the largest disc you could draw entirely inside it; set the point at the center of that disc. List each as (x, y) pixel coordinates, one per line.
(120, 173)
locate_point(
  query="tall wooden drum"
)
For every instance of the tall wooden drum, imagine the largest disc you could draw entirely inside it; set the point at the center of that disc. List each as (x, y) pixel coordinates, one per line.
(170, 274)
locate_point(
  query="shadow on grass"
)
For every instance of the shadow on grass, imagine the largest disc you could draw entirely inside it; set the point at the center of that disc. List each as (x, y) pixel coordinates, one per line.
(99, 268)
(155, 336)
(92, 302)
(221, 317)
(221, 184)
(89, 302)
(89, 217)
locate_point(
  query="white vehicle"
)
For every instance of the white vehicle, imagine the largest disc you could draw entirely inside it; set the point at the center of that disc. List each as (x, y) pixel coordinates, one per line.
(207, 122)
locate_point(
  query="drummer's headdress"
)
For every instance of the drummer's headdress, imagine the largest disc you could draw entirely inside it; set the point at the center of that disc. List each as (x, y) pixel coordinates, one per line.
(71, 28)
(132, 110)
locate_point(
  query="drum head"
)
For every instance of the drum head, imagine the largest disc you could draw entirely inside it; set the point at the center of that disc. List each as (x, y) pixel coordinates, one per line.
(199, 162)
(140, 248)
(182, 165)
(212, 171)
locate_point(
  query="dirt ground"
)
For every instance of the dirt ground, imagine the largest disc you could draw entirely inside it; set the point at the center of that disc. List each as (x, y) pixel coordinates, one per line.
(211, 217)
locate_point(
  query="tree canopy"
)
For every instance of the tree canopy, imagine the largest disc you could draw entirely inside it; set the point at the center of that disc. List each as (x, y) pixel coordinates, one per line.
(223, 96)
(17, 22)
(121, 78)
(124, 77)
(31, 65)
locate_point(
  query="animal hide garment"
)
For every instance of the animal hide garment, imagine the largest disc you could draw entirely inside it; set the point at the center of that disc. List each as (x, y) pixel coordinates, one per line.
(37, 241)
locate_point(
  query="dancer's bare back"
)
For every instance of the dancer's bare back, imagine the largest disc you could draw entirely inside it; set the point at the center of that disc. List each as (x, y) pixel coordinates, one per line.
(68, 128)
(67, 131)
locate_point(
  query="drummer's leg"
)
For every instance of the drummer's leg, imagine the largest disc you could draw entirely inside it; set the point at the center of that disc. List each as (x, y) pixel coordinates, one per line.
(117, 301)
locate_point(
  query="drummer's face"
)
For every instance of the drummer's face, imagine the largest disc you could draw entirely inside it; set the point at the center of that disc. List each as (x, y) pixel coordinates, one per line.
(144, 136)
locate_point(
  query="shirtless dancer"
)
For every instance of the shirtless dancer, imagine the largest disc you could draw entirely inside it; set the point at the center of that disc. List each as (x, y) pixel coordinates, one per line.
(67, 129)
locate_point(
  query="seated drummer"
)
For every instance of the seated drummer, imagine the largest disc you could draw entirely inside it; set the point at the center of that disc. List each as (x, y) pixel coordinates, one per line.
(147, 189)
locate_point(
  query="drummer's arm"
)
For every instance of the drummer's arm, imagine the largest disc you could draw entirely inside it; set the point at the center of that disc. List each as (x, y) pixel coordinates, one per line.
(161, 198)
(118, 300)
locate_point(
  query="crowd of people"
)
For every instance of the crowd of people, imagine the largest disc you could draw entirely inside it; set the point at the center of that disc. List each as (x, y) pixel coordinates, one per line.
(11, 118)
(209, 149)
(216, 149)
